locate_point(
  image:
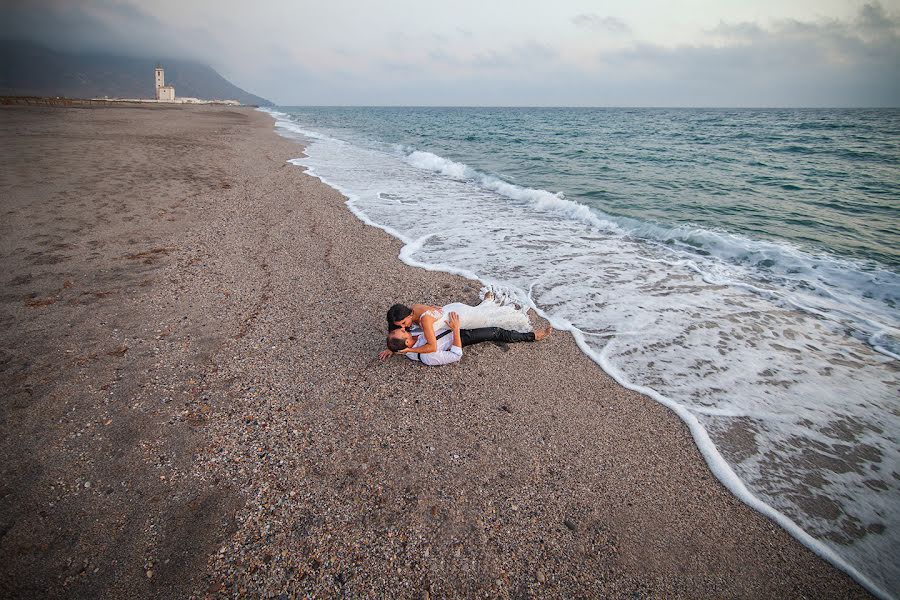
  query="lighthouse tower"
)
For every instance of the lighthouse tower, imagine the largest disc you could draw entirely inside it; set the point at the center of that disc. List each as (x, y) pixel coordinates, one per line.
(160, 79)
(164, 93)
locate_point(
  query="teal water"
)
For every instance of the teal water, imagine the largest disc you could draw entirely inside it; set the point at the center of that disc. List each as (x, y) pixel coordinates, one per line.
(823, 180)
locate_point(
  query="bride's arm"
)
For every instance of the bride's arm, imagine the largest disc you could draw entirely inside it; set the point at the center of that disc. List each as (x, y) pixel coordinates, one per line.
(446, 357)
(426, 322)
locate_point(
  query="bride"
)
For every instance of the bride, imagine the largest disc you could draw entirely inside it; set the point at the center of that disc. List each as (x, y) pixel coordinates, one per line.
(432, 319)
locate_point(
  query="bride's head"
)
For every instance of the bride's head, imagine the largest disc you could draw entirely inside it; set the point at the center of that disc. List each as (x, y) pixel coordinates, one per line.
(399, 316)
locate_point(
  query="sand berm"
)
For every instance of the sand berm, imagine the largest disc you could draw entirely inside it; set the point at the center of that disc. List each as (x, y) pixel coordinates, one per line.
(193, 407)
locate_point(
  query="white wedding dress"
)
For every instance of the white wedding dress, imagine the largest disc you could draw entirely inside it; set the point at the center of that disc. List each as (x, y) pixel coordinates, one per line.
(489, 313)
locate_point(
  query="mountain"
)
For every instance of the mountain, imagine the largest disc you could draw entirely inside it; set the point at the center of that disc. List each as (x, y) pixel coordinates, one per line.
(27, 69)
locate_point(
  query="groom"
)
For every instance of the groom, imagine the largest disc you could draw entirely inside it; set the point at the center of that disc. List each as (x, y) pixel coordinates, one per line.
(450, 341)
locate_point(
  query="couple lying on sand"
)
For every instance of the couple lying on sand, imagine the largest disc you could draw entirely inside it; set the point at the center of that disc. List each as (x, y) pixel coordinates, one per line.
(436, 336)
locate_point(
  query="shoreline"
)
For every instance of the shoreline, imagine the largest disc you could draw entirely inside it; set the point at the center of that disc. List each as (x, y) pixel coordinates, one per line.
(523, 470)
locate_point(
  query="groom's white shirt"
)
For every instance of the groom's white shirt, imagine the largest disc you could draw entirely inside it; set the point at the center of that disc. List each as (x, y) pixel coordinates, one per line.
(445, 354)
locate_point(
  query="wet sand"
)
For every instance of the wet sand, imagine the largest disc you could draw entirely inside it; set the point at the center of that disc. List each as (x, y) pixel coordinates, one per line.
(193, 405)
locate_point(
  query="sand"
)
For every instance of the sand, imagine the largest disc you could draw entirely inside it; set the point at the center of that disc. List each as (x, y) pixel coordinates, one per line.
(193, 405)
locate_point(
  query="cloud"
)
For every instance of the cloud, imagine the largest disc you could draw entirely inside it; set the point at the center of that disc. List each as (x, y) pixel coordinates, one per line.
(737, 32)
(872, 25)
(826, 62)
(103, 26)
(126, 28)
(873, 20)
(796, 63)
(598, 23)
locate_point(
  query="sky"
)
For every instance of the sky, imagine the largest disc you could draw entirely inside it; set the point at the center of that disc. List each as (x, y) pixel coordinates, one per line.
(503, 52)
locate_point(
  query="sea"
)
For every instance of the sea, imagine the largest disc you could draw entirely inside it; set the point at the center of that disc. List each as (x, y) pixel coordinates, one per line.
(740, 266)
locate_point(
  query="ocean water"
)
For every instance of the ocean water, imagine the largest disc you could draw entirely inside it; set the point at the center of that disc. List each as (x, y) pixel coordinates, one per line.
(740, 266)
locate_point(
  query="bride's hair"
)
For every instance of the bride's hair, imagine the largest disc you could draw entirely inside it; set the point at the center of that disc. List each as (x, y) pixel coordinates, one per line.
(397, 312)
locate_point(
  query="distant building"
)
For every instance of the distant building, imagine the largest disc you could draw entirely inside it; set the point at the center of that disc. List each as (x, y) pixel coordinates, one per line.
(164, 93)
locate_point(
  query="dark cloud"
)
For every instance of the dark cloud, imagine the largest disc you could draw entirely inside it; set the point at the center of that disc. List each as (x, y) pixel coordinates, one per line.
(100, 26)
(872, 25)
(874, 20)
(598, 23)
(123, 28)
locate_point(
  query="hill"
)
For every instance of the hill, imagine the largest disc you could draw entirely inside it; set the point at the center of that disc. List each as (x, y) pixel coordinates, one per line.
(29, 69)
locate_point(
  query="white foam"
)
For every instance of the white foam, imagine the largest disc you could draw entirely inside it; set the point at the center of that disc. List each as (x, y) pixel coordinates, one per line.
(727, 350)
(438, 164)
(541, 199)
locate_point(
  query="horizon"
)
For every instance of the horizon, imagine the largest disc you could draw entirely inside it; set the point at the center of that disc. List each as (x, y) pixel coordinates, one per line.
(610, 107)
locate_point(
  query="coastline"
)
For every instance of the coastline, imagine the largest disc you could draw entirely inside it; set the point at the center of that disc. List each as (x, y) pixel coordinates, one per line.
(523, 470)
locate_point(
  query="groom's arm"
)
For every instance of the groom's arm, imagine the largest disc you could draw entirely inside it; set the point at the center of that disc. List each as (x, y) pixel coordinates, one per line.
(442, 357)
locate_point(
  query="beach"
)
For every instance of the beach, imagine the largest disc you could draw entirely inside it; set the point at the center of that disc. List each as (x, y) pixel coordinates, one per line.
(194, 406)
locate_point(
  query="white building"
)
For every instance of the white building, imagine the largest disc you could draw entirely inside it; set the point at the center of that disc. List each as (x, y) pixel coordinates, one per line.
(164, 93)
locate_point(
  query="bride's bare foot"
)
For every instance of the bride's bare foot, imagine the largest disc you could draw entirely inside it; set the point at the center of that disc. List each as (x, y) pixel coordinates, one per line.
(542, 333)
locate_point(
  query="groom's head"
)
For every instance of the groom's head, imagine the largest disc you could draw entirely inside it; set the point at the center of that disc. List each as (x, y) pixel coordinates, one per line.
(399, 339)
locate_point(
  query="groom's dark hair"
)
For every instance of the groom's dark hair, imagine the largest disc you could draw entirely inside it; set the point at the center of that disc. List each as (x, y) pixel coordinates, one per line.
(396, 344)
(396, 313)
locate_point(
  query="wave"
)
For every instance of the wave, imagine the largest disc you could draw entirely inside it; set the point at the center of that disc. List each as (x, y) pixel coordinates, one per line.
(284, 123)
(439, 164)
(541, 199)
